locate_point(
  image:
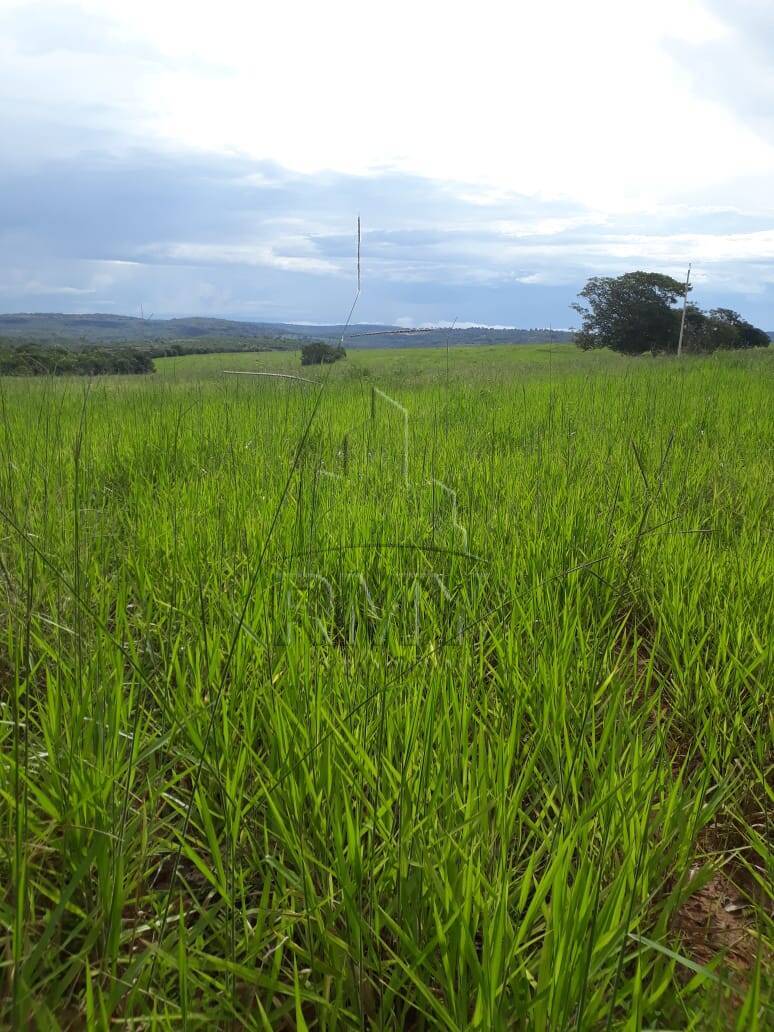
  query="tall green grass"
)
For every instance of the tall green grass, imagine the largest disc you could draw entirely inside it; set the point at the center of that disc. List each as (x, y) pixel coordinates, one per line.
(288, 741)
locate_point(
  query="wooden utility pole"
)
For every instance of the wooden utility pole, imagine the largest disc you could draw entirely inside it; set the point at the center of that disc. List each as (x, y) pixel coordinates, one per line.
(682, 320)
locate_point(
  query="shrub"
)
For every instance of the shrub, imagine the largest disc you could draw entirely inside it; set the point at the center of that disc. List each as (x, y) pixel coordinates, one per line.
(317, 353)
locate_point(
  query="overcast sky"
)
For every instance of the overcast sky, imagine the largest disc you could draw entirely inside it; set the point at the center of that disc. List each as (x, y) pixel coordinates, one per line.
(211, 158)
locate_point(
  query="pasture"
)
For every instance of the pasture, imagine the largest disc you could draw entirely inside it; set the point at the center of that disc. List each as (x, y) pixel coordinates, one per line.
(432, 695)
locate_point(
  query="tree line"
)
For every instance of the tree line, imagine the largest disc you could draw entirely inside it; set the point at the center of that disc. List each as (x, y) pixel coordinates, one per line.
(52, 360)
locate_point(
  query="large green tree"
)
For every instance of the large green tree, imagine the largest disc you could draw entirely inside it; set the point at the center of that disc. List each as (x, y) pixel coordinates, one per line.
(632, 313)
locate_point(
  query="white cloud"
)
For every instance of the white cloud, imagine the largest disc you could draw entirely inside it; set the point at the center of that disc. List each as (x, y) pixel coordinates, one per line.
(34, 287)
(587, 101)
(243, 254)
(497, 147)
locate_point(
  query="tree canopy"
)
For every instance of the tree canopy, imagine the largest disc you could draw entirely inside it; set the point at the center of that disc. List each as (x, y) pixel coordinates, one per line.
(637, 312)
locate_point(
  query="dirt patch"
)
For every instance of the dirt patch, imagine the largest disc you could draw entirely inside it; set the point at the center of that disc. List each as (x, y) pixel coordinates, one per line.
(717, 921)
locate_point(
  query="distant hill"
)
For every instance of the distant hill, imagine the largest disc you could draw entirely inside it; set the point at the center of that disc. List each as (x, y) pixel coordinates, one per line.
(55, 327)
(125, 329)
(391, 337)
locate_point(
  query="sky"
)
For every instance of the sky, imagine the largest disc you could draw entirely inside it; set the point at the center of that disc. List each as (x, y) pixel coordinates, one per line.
(212, 159)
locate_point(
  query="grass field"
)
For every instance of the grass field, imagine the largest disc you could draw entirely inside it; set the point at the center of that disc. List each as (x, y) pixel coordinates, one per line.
(436, 695)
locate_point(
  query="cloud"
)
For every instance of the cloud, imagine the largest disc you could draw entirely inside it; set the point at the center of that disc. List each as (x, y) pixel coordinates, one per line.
(157, 154)
(735, 69)
(197, 233)
(45, 28)
(558, 99)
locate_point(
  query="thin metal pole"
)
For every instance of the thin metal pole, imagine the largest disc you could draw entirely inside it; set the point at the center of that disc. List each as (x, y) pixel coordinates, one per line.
(682, 320)
(357, 295)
